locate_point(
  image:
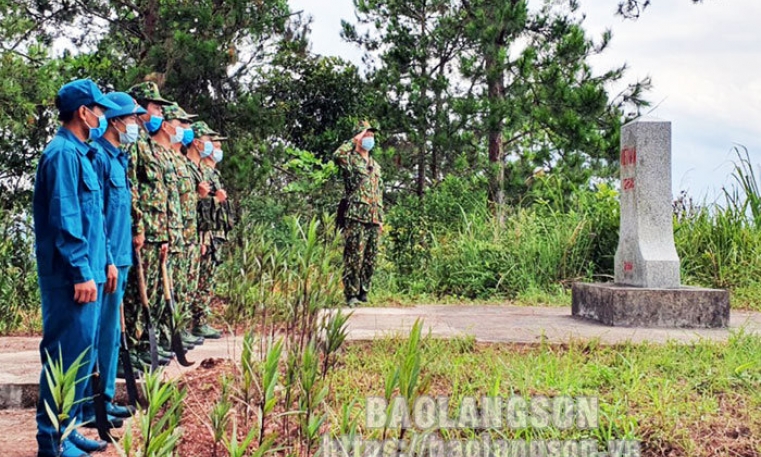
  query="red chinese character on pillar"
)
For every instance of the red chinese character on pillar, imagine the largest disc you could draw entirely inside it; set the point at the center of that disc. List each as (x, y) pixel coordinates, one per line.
(628, 157)
(628, 184)
(628, 267)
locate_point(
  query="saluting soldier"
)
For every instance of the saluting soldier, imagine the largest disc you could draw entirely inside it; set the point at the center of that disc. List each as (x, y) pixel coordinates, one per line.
(70, 245)
(363, 215)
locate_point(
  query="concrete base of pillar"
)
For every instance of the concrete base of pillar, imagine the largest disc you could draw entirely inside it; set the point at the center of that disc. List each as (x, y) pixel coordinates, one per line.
(626, 306)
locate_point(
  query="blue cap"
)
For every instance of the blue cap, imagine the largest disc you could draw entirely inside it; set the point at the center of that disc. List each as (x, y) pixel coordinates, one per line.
(127, 105)
(82, 92)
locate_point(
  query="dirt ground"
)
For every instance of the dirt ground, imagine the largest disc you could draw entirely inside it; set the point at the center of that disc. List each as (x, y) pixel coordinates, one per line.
(21, 442)
(203, 390)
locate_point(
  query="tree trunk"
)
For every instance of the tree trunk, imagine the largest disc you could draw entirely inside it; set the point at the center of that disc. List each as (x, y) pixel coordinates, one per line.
(496, 87)
(438, 115)
(423, 111)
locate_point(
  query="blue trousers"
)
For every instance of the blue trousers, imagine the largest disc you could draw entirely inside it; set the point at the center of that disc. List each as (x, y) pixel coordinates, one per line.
(68, 330)
(111, 334)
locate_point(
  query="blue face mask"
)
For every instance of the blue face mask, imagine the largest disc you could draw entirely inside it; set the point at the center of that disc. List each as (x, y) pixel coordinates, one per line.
(217, 155)
(97, 132)
(154, 124)
(368, 143)
(187, 138)
(208, 149)
(179, 134)
(130, 135)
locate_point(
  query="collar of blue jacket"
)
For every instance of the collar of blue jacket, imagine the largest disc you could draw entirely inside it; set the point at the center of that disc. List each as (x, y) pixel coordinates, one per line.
(112, 150)
(79, 145)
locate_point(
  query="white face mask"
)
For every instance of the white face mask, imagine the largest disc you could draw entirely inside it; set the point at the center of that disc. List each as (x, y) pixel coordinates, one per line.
(208, 149)
(179, 133)
(130, 135)
(217, 155)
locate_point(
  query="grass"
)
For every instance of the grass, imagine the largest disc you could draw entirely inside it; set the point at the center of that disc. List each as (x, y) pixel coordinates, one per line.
(531, 297)
(678, 400)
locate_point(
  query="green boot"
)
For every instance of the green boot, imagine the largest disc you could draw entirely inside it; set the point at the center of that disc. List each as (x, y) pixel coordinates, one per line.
(207, 332)
(145, 359)
(189, 339)
(136, 365)
(166, 346)
(163, 353)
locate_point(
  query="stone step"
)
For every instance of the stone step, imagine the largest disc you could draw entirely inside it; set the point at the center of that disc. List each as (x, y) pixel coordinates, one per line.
(20, 374)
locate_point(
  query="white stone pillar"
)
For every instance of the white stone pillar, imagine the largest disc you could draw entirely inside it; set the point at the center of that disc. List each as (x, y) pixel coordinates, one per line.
(646, 255)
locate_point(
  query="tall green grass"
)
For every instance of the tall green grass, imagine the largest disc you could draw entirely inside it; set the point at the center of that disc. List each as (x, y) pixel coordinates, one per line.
(719, 243)
(450, 244)
(532, 251)
(19, 294)
(464, 251)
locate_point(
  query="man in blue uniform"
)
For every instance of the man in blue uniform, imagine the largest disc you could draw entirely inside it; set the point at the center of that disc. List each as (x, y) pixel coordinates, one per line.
(71, 255)
(110, 164)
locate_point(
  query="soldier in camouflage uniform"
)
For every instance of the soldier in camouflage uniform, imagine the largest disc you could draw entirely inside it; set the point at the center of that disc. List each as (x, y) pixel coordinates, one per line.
(152, 233)
(214, 223)
(188, 190)
(364, 213)
(202, 148)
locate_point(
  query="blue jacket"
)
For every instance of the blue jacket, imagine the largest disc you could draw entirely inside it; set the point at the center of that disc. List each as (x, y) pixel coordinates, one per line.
(110, 164)
(68, 215)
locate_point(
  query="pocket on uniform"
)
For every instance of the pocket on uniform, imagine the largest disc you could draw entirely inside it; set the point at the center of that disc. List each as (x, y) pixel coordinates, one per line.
(90, 190)
(118, 180)
(118, 192)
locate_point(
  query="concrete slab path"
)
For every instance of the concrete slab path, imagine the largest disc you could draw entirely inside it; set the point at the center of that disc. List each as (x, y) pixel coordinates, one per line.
(20, 367)
(518, 324)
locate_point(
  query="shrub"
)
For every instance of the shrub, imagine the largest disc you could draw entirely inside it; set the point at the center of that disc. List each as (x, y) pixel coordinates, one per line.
(19, 294)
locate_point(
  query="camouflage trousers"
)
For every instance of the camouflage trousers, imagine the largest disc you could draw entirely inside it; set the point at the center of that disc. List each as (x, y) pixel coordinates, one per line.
(360, 251)
(134, 311)
(186, 274)
(202, 300)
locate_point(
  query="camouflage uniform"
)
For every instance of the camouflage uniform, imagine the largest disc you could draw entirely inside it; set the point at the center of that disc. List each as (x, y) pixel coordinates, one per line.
(200, 269)
(213, 235)
(364, 191)
(193, 265)
(186, 199)
(153, 212)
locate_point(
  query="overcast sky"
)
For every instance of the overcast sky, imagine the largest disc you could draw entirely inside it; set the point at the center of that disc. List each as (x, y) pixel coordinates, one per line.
(705, 62)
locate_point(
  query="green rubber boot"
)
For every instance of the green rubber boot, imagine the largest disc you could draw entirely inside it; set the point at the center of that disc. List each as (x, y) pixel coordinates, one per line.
(207, 332)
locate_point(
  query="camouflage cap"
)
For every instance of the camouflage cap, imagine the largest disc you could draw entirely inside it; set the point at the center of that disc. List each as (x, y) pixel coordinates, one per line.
(173, 111)
(201, 128)
(148, 91)
(366, 125)
(219, 138)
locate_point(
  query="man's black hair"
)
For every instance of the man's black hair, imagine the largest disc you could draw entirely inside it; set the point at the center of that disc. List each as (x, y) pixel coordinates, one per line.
(63, 117)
